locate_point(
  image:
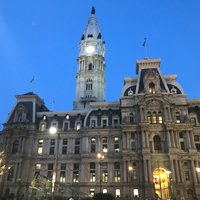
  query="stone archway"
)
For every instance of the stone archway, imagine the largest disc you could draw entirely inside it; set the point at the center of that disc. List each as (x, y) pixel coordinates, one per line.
(161, 181)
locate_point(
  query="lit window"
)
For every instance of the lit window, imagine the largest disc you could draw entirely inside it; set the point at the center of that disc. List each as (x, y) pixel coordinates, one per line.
(149, 117)
(42, 127)
(105, 191)
(178, 117)
(154, 120)
(40, 147)
(117, 193)
(116, 144)
(152, 88)
(160, 119)
(135, 193)
(104, 144)
(78, 126)
(91, 192)
(62, 176)
(37, 166)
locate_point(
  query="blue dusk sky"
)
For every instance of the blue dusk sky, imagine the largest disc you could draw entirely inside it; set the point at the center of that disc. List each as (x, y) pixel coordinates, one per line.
(40, 38)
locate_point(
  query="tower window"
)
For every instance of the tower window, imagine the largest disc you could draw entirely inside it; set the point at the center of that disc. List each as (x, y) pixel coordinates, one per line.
(90, 67)
(157, 143)
(89, 84)
(152, 88)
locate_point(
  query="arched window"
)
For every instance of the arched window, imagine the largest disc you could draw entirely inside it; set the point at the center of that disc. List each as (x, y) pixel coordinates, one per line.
(149, 117)
(154, 118)
(152, 88)
(160, 119)
(15, 146)
(157, 143)
(90, 66)
(89, 84)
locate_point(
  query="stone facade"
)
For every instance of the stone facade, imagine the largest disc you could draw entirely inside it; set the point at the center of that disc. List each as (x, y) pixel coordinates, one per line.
(149, 141)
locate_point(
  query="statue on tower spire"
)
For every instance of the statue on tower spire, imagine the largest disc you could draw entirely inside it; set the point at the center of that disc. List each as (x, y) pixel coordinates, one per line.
(93, 10)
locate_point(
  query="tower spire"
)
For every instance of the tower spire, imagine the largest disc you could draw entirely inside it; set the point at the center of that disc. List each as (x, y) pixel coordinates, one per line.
(90, 79)
(93, 10)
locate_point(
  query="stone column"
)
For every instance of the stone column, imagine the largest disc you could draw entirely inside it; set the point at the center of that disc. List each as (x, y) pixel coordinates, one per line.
(169, 138)
(177, 171)
(172, 170)
(193, 169)
(192, 140)
(145, 171)
(143, 139)
(180, 170)
(188, 139)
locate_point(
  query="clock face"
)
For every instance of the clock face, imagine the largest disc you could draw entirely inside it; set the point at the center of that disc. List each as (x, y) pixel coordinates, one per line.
(90, 49)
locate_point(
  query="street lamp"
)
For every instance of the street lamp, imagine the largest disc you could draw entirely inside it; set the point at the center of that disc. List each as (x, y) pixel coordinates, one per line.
(100, 157)
(53, 131)
(130, 170)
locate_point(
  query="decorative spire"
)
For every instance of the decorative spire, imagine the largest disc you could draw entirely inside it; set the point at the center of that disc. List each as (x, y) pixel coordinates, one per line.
(93, 10)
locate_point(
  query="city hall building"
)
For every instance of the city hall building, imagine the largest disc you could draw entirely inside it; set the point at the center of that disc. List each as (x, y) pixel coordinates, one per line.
(144, 146)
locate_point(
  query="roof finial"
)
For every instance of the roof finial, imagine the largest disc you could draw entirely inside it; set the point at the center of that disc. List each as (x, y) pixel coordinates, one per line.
(93, 10)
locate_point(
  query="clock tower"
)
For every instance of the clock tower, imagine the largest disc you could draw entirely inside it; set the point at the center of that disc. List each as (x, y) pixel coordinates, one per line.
(90, 78)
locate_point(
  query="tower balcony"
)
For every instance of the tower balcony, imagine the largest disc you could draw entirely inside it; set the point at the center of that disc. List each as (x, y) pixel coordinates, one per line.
(88, 99)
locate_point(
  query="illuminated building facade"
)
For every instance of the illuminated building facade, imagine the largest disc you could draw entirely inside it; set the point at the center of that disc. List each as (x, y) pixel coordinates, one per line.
(149, 140)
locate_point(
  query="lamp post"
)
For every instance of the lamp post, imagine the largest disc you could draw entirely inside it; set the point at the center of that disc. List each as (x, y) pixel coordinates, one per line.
(53, 130)
(100, 157)
(130, 170)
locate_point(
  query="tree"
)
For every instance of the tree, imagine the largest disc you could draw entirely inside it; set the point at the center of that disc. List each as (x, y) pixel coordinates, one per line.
(4, 165)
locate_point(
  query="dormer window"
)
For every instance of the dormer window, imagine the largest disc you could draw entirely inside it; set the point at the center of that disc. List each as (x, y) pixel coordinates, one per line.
(78, 126)
(152, 88)
(42, 126)
(20, 114)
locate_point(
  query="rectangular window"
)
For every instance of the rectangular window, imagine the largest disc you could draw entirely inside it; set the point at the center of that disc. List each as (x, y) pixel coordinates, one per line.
(92, 176)
(117, 193)
(104, 144)
(182, 146)
(187, 175)
(116, 144)
(104, 172)
(135, 192)
(40, 147)
(51, 150)
(92, 172)
(116, 123)
(37, 166)
(64, 150)
(63, 166)
(65, 141)
(92, 192)
(52, 142)
(117, 171)
(93, 145)
(104, 123)
(62, 176)
(50, 166)
(77, 146)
